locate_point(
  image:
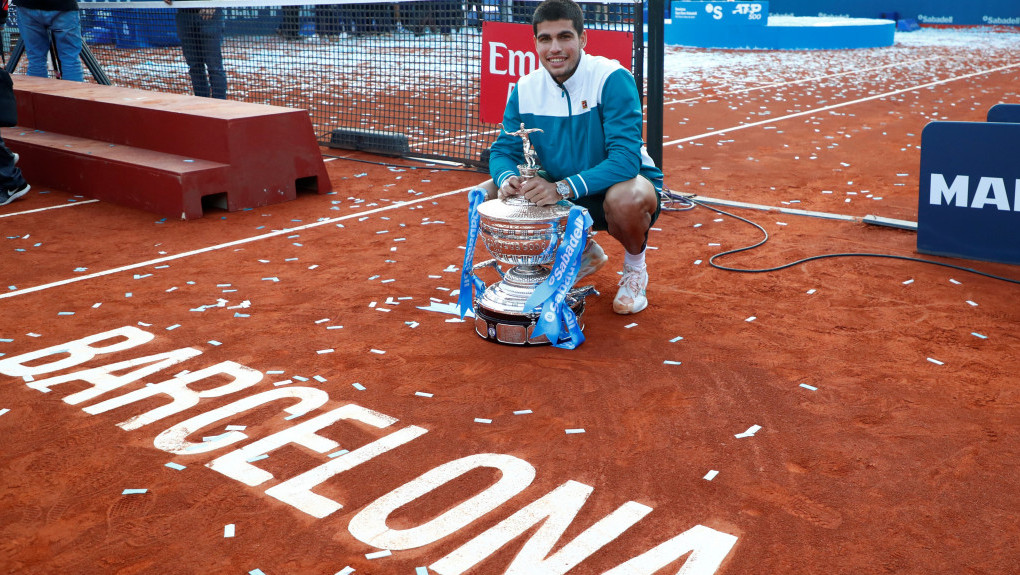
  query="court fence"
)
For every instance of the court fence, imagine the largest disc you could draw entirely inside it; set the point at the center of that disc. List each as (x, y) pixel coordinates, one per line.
(400, 78)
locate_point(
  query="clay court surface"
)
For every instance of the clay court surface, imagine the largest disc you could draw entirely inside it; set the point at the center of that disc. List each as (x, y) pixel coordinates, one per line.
(876, 400)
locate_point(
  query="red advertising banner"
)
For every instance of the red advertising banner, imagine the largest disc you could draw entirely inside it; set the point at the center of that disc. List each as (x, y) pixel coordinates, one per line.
(508, 54)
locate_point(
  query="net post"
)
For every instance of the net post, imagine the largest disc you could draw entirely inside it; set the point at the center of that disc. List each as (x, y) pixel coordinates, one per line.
(639, 47)
(656, 54)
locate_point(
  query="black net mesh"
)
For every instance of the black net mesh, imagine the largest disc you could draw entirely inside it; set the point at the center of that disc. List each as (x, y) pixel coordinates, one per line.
(401, 77)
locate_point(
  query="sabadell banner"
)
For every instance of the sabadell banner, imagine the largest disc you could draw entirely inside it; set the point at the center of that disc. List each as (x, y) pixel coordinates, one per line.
(930, 12)
(508, 54)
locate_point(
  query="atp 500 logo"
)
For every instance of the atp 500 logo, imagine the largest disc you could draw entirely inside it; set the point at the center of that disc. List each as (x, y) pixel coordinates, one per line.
(752, 10)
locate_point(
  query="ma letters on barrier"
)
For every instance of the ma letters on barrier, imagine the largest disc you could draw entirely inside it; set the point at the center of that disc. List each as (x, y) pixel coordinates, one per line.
(968, 204)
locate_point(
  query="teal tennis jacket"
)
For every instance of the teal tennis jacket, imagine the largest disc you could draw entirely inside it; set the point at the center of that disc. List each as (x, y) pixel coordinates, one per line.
(591, 128)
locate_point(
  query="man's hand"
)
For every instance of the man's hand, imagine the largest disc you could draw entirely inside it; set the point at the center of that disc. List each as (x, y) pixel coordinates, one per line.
(511, 187)
(540, 191)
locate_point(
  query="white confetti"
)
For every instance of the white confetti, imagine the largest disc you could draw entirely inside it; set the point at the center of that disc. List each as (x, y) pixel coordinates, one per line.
(750, 432)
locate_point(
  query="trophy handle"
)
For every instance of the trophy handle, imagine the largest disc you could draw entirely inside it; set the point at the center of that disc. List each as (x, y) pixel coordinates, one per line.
(489, 263)
(583, 291)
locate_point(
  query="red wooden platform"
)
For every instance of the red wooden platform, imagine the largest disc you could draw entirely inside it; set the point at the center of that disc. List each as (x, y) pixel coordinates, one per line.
(162, 152)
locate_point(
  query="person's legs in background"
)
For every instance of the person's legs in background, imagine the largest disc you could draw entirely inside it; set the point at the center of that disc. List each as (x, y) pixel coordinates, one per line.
(212, 42)
(66, 29)
(33, 26)
(291, 24)
(188, 22)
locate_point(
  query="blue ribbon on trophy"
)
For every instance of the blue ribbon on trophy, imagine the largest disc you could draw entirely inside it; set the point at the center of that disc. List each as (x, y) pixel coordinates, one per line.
(551, 294)
(469, 282)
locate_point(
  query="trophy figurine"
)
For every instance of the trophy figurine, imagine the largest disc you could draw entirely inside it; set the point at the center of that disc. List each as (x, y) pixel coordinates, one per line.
(525, 236)
(530, 168)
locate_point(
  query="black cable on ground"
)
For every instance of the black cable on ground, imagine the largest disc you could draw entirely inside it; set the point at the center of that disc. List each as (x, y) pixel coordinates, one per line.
(713, 263)
(674, 202)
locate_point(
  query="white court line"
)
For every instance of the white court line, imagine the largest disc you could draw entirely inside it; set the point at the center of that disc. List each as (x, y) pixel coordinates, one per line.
(834, 106)
(773, 85)
(763, 87)
(225, 245)
(67, 205)
(792, 82)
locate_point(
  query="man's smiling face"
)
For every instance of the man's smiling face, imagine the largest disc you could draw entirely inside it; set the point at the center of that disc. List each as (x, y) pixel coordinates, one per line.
(559, 48)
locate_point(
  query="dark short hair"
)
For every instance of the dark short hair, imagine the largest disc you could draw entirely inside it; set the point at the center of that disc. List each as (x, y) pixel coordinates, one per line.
(550, 10)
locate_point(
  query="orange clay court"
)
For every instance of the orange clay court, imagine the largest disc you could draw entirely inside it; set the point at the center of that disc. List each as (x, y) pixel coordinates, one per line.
(262, 391)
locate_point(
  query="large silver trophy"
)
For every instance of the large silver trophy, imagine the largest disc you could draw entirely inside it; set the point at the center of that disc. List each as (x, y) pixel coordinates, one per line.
(522, 235)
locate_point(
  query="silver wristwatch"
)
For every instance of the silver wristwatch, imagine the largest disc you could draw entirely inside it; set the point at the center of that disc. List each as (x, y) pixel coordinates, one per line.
(563, 190)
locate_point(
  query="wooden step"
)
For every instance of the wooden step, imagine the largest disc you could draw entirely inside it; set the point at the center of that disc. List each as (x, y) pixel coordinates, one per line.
(166, 184)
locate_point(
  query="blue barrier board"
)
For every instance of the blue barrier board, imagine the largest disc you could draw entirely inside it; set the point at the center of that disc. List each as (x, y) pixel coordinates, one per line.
(968, 204)
(928, 12)
(1005, 113)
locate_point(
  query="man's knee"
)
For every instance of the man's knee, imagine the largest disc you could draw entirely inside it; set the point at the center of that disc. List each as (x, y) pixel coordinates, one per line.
(634, 196)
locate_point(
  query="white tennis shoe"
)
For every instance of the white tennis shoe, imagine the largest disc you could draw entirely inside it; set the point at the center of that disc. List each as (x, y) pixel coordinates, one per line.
(592, 259)
(630, 298)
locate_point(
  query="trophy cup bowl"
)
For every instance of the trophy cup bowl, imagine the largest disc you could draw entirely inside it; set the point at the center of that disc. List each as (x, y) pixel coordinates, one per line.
(519, 233)
(524, 236)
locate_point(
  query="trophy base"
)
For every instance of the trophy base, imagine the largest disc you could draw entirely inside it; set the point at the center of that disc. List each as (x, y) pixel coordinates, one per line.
(515, 329)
